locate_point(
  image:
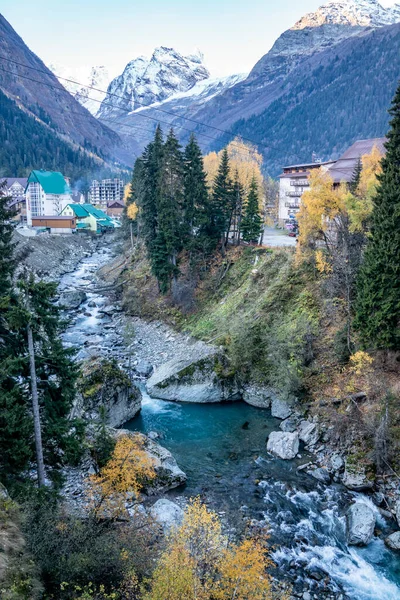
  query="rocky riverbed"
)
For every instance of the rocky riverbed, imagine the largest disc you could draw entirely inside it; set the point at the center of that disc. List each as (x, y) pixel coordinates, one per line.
(222, 448)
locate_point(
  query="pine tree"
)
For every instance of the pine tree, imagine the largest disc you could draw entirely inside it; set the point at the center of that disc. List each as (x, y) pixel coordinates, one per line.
(252, 222)
(152, 178)
(238, 196)
(222, 200)
(355, 180)
(378, 291)
(196, 201)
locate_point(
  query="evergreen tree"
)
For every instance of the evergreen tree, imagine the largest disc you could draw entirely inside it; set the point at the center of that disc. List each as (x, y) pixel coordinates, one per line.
(238, 196)
(222, 200)
(378, 292)
(355, 180)
(196, 202)
(152, 179)
(252, 222)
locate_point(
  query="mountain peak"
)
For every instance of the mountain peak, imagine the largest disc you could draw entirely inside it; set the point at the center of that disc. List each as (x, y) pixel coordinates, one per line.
(363, 13)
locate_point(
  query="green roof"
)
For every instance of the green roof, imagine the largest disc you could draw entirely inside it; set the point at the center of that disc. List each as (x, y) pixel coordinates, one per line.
(78, 210)
(52, 182)
(99, 215)
(82, 225)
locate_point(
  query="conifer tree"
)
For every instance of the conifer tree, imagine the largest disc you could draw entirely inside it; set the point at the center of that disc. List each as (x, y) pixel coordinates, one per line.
(222, 200)
(152, 180)
(378, 291)
(196, 201)
(238, 197)
(355, 180)
(252, 222)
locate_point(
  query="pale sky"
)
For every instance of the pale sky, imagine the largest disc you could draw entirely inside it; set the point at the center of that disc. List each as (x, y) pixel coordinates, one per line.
(232, 34)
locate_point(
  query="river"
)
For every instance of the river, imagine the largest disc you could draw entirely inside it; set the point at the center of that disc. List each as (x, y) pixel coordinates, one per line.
(222, 448)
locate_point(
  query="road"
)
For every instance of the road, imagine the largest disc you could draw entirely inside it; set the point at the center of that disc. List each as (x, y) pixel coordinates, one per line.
(277, 237)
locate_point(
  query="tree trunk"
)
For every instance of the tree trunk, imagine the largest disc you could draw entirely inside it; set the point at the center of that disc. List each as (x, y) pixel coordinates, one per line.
(35, 408)
(130, 227)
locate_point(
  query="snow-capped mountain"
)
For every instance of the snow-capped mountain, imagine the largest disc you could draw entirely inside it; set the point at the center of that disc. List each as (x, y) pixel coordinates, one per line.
(364, 13)
(145, 82)
(93, 77)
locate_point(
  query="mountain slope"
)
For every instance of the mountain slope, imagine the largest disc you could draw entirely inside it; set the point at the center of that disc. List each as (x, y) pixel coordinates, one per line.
(41, 93)
(144, 82)
(330, 101)
(94, 77)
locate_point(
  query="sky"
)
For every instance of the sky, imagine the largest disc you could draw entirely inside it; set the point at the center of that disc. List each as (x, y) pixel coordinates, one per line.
(232, 34)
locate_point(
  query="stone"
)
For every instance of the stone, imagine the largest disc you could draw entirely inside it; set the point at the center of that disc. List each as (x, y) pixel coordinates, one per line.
(280, 409)
(3, 492)
(306, 596)
(360, 519)
(168, 514)
(393, 541)
(336, 462)
(355, 478)
(289, 424)
(206, 379)
(72, 299)
(153, 435)
(320, 474)
(144, 368)
(397, 511)
(169, 474)
(378, 498)
(258, 396)
(283, 444)
(308, 432)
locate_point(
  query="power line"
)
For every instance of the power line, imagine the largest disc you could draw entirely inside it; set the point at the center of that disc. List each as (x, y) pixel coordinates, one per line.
(64, 90)
(220, 130)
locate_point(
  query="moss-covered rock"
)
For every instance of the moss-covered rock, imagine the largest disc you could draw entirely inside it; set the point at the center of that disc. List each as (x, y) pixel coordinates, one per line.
(106, 389)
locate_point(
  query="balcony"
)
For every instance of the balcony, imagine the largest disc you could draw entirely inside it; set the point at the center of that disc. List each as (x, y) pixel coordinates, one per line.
(294, 194)
(292, 205)
(300, 182)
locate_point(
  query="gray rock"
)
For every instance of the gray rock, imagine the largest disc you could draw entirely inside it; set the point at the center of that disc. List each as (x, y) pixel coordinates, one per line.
(321, 475)
(199, 381)
(3, 492)
(355, 478)
(393, 541)
(258, 396)
(283, 444)
(309, 433)
(72, 299)
(167, 514)
(378, 498)
(397, 511)
(289, 424)
(144, 368)
(336, 462)
(153, 435)
(280, 409)
(360, 520)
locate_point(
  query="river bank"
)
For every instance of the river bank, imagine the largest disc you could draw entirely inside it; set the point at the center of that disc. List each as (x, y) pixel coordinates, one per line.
(222, 448)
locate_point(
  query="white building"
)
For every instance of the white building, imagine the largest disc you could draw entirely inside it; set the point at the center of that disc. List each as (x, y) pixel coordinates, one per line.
(106, 191)
(293, 182)
(47, 194)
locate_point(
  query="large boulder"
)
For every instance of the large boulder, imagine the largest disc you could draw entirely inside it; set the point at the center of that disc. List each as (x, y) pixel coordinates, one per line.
(393, 541)
(167, 514)
(308, 433)
(205, 379)
(258, 396)
(283, 444)
(280, 409)
(105, 388)
(169, 474)
(397, 511)
(360, 520)
(144, 368)
(72, 299)
(355, 477)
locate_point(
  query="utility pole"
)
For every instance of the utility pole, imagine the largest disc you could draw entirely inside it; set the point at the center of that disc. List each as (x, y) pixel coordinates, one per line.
(35, 408)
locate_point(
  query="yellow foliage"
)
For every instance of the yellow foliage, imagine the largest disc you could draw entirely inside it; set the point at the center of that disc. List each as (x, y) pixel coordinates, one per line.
(243, 573)
(359, 205)
(360, 362)
(323, 266)
(243, 158)
(122, 478)
(127, 192)
(132, 211)
(319, 205)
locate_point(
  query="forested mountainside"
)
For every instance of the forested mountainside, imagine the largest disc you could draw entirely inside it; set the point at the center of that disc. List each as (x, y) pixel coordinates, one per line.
(331, 102)
(25, 78)
(28, 142)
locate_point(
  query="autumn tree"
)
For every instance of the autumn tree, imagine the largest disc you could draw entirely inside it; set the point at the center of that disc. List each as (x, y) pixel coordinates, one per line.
(378, 291)
(121, 479)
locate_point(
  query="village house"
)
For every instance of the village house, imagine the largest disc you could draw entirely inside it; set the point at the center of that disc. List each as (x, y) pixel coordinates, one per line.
(55, 224)
(88, 218)
(115, 209)
(342, 170)
(15, 188)
(47, 194)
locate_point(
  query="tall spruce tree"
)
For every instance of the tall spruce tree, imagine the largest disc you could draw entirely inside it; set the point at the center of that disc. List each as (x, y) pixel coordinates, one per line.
(195, 201)
(238, 198)
(378, 291)
(222, 200)
(355, 180)
(152, 159)
(252, 222)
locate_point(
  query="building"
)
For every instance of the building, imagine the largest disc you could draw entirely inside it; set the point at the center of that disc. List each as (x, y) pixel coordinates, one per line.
(293, 182)
(47, 194)
(115, 209)
(55, 224)
(15, 188)
(106, 191)
(88, 218)
(343, 169)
